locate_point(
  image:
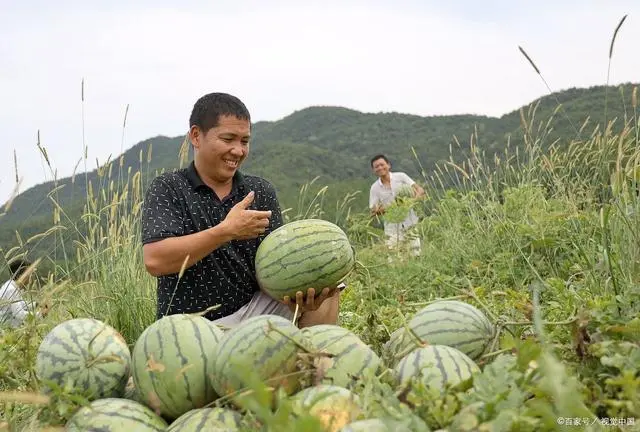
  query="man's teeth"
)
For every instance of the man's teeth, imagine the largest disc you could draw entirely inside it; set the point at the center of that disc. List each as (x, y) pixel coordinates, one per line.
(232, 163)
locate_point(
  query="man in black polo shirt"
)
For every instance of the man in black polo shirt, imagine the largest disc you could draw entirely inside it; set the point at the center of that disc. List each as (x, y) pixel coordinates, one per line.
(202, 225)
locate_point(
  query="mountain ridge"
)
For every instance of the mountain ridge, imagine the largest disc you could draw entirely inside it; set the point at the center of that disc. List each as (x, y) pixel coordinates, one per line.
(336, 144)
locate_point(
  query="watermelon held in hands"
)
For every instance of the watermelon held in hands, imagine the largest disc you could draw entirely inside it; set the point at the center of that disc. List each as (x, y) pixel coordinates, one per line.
(87, 355)
(171, 364)
(308, 253)
(115, 415)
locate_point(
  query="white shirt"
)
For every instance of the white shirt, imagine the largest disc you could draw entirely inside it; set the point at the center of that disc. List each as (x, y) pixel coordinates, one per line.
(13, 308)
(384, 195)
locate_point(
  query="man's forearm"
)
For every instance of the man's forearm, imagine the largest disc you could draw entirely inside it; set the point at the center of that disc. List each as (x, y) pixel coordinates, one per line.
(168, 256)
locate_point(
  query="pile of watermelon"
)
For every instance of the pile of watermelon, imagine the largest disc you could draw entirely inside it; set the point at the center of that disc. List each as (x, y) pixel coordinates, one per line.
(188, 374)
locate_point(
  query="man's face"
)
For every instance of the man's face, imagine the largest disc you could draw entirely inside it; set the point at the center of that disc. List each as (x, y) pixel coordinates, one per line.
(380, 167)
(222, 149)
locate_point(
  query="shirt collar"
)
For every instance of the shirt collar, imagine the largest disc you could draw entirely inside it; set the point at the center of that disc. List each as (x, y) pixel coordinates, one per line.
(196, 180)
(390, 178)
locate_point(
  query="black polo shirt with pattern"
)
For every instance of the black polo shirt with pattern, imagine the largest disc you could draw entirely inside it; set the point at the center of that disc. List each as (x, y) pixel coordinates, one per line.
(180, 203)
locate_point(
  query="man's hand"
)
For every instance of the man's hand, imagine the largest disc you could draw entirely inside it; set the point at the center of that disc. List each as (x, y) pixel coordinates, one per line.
(246, 224)
(377, 210)
(311, 302)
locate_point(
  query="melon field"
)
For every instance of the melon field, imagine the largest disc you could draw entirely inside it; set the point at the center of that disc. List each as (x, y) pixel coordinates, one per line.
(522, 313)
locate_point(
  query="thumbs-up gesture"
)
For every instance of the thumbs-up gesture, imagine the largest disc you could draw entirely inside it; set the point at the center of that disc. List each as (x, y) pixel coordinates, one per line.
(247, 224)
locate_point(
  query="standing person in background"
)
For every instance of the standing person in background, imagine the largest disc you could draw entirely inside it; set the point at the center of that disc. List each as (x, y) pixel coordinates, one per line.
(382, 194)
(13, 308)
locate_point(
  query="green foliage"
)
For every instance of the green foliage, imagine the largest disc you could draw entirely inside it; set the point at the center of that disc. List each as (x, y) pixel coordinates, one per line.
(545, 242)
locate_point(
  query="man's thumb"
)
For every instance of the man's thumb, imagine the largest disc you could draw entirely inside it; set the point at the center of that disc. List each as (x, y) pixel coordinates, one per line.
(246, 202)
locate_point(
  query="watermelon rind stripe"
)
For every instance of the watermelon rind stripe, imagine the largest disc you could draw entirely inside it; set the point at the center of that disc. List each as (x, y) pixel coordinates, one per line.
(302, 229)
(309, 253)
(435, 314)
(341, 238)
(65, 351)
(452, 365)
(304, 271)
(366, 364)
(156, 391)
(310, 282)
(183, 359)
(284, 264)
(438, 321)
(110, 414)
(351, 356)
(439, 364)
(183, 384)
(270, 360)
(454, 362)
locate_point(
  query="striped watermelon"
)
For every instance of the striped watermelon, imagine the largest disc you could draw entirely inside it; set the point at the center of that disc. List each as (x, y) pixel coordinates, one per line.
(264, 347)
(115, 415)
(436, 366)
(333, 406)
(351, 358)
(86, 353)
(448, 322)
(308, 253)
(207, 419)
(172, 361)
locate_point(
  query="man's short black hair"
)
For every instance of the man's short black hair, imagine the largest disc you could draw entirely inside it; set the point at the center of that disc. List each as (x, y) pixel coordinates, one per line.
(17, 267)
(379, 156)
(208, 109)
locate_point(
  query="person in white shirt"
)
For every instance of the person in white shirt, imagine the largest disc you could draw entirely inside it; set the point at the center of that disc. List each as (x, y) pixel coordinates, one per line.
(13, 308)
(382, 194)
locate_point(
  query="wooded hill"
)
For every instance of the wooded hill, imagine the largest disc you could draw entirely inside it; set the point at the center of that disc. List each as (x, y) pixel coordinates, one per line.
(336, 144)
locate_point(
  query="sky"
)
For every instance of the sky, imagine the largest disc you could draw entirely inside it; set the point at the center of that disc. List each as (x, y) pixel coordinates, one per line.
(158, 57)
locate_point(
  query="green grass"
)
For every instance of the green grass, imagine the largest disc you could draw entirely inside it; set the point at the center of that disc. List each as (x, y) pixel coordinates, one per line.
(546, 242)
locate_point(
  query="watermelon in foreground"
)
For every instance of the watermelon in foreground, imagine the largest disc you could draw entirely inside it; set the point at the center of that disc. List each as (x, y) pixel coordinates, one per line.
(436, 366)
(333, 406)
(115, 415)
(264, 347)
(453, 323)
(308, 253)
(350, 357)
(171, 364)
(207, 419)
(376, 425)
(86, 353)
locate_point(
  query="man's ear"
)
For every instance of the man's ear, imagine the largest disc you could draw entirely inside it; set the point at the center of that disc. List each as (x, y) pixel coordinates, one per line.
(195, 136)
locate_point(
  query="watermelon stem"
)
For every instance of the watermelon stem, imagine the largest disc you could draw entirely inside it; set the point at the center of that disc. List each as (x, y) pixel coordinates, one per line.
(415, 338)
(206, 311)
(526, 323)
(496, 339)
(299, 344)
(473, 295)
(495, 353)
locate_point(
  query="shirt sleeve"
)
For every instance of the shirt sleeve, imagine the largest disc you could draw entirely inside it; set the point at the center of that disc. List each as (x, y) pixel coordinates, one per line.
(162, 215)
(15, 308)
(407, 180)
